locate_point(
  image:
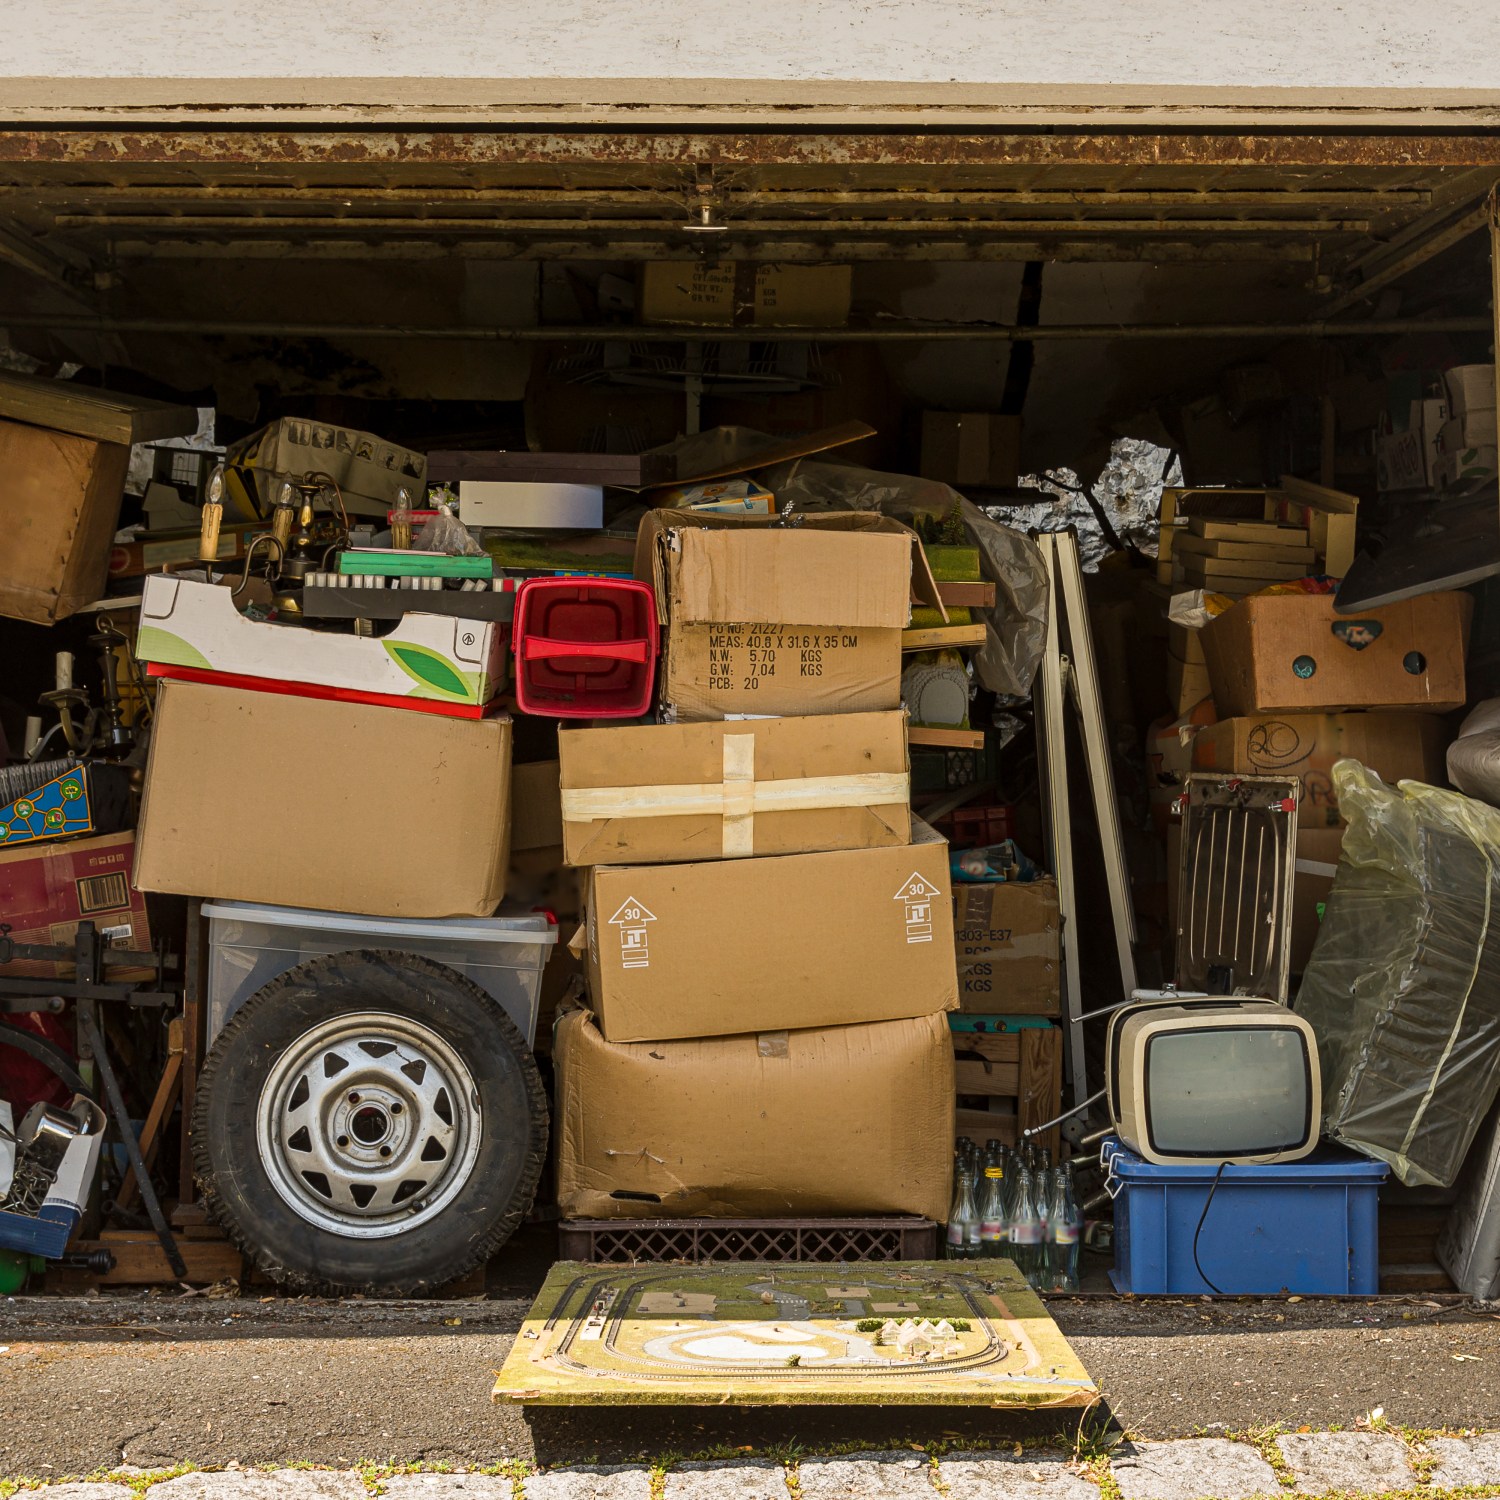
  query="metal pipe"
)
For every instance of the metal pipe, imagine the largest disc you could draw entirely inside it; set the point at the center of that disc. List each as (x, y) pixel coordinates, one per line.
(896, 333)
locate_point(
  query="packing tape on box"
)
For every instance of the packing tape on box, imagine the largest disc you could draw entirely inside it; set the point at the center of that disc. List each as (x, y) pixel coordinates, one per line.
(737, 798)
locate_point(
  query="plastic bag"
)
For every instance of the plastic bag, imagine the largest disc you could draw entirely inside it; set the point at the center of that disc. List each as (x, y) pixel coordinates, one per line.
(1403, 987)
(1474, 757)
(445, 533)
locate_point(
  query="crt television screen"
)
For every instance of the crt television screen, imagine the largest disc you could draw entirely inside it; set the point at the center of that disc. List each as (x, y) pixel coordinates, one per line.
(1227, 1091)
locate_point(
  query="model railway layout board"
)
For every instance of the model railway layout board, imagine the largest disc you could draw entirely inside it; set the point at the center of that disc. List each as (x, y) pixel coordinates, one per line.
(919, 1333)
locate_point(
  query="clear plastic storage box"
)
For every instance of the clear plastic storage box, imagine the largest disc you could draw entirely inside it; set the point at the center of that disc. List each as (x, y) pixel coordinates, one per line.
(251, 945)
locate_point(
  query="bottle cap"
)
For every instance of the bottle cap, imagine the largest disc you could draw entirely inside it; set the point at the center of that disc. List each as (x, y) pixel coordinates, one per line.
(993, 1172)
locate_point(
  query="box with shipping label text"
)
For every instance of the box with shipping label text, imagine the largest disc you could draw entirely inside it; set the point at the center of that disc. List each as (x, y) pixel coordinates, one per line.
(666, 793)
(1006, 944)
(760, 617)
(791, 941)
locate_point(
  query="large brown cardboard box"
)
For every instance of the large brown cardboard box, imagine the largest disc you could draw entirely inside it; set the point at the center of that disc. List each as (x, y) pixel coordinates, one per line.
(1283, 652)
(338, 806)
(1397, 746)
(971, 448)
(1006, 942)
(59, 507)
(727, 294)
(846, 1120)
(798, 940)
(765, 618)
(666, 793)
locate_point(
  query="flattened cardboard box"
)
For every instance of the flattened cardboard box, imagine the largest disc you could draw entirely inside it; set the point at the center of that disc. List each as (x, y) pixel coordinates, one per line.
(1281, 653)
(1397, 746)
(338, 806)
(765, 618)
(843, 1120)
(801, 940)
(1006, 940)
(671, 792)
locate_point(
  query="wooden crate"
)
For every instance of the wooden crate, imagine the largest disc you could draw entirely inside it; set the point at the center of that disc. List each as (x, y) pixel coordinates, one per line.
(1007, 1082)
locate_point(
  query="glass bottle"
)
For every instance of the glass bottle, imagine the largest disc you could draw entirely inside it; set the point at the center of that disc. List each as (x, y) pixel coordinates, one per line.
(992, 1213)
(1026, 1230)
(1065, 1230)
(963, 1221)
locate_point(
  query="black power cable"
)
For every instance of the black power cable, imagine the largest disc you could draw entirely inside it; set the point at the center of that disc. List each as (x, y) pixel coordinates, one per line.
(1199, 1230)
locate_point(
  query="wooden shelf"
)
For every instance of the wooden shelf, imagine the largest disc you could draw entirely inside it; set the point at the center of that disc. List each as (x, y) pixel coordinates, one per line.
(939, 636)
(945, 739)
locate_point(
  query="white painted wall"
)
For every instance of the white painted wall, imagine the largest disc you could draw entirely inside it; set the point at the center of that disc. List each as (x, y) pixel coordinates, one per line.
(1363, 45)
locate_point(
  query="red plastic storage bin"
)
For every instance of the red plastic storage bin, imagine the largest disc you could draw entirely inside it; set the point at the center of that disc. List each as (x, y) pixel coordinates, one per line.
(585, 647)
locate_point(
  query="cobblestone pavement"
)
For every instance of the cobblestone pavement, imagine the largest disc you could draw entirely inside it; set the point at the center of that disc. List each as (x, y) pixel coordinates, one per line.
(1350, 1463)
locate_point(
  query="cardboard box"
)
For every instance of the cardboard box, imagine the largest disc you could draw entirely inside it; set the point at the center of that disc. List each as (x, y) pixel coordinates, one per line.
(1475, 429)
(850, 1120)
(738, 294)
(1187, 684)
(59, 507)
(338, 806)
(798, 940)
(368, 470)
(1471, 388)
(971, 448)
(763, 618)
(1401, 462)
(46, 890)
(433, 662)
(1280, 653)
(1006, 944)
(1397, 746)
(536, 806)
(668, 793)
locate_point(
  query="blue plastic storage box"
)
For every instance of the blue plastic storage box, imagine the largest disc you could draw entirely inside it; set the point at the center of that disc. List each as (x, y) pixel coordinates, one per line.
(1308, 1227)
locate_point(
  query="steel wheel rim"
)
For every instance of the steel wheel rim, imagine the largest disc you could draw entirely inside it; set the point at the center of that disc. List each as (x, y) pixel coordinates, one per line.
(368, 1125)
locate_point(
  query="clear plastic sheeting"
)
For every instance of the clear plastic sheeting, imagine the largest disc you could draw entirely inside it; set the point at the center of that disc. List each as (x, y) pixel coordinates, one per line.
(1128, 491)
(805, 484)
(1403, 987)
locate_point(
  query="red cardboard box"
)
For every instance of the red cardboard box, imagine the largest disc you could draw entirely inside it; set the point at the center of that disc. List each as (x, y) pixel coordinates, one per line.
(47, 889)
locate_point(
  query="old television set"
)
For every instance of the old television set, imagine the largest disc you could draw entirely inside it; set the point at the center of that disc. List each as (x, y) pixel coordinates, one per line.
(1211, 1080)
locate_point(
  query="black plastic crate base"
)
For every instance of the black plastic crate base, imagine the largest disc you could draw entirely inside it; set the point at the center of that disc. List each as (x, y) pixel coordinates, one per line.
(625, 1241)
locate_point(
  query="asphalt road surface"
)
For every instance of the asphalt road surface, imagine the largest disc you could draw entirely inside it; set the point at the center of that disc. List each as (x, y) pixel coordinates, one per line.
(154, 1380)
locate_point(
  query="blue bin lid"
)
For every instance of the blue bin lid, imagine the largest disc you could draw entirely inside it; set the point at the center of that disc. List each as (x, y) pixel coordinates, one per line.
(1326, 1165)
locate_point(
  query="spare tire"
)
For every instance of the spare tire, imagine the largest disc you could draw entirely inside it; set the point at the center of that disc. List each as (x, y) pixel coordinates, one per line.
(369, 1122)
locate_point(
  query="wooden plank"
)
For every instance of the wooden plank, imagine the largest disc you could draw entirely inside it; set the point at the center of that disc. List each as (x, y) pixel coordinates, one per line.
(945, 739)
(938, 636)
(982, 1125)
(1041, 1084)
(108, 416)
(140, 1260)
(992, 1046)
(194, 1009)
(167, 1091)
(987, 1079)
(966, 594)
(1428, 1277)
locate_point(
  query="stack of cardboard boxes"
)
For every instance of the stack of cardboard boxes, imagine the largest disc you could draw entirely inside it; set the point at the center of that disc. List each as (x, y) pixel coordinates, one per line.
(1281, 684)
(770, 956)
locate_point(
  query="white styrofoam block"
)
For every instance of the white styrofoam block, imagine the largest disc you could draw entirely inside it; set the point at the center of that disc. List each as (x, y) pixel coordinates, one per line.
(496, 502)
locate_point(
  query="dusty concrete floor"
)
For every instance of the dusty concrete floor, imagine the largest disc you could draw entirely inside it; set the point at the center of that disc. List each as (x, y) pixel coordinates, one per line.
(153, 1380)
